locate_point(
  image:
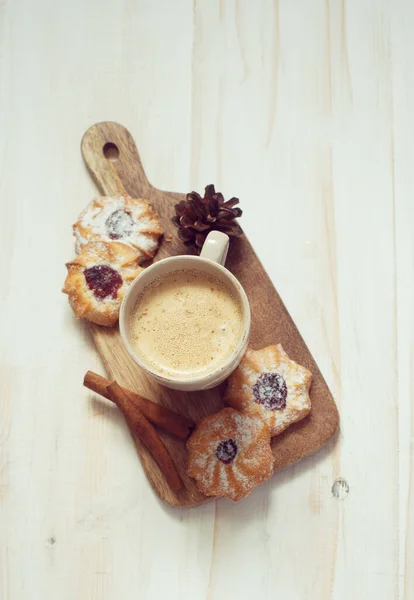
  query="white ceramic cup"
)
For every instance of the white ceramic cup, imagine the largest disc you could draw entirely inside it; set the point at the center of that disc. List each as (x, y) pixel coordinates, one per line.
(211, 260)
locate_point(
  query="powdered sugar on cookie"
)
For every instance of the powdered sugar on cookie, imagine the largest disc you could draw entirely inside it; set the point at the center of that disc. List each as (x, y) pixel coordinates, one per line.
(124, 219)
(229, 454)
(98, 278)
(269, 383)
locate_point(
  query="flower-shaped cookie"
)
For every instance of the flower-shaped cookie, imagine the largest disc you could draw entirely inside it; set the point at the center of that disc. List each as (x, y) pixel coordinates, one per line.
(128, 220)
(229, 454)
(98, 278)
(267, 381)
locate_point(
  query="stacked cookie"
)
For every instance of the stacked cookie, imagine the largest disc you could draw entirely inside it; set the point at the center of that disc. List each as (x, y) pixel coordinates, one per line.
(229, 453)
(113, 237)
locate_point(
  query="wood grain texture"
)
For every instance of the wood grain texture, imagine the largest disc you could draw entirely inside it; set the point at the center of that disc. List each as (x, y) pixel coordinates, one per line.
(304, 111)
(271, 324)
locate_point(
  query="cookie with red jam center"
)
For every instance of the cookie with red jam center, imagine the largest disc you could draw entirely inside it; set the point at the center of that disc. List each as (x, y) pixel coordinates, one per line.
(98, 278)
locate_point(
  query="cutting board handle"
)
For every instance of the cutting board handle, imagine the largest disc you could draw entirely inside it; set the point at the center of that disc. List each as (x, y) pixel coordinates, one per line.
(111, 157)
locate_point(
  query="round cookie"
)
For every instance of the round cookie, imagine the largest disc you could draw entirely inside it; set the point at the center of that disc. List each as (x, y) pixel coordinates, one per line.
(98, 278)
(128, 220)
(268, 382)
(229, 454)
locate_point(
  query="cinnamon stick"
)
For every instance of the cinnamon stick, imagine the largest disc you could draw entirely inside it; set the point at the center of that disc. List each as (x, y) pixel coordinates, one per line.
(165, 419)
(143, 429)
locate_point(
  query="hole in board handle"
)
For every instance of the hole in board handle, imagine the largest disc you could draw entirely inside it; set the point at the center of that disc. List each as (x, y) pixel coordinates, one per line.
(111, 151)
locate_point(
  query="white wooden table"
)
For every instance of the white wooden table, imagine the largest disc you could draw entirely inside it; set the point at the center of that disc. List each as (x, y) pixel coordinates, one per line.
(303, 109)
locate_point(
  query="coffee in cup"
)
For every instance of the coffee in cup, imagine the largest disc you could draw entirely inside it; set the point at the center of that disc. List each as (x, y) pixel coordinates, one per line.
(186, 324)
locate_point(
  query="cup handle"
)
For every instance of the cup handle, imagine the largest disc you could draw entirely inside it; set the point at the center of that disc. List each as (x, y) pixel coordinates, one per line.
(215, 247)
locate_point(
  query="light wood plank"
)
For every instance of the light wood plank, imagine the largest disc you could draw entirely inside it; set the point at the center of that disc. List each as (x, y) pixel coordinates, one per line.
(303, 105)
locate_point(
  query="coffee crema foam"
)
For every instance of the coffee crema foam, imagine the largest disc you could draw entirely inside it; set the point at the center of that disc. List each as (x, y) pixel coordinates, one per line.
(186, 324)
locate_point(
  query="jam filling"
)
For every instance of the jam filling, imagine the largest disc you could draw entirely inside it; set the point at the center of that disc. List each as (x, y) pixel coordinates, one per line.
(226, 451)
(119, 224)
(103, 281)
(270, 391)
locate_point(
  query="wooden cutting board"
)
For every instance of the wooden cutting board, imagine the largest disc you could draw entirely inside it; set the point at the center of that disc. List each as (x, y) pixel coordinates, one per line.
(112, 159)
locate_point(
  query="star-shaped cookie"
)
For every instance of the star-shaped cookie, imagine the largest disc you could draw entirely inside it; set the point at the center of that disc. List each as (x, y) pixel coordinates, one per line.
(267, 381)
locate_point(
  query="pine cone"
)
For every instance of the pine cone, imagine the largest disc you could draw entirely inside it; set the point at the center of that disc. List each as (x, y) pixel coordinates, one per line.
(196, 216)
